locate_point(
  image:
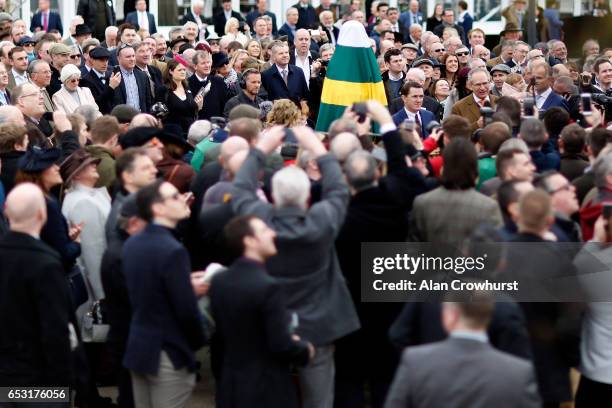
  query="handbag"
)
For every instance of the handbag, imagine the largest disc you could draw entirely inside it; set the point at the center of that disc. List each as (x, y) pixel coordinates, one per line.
(78, 290)
(94, 328)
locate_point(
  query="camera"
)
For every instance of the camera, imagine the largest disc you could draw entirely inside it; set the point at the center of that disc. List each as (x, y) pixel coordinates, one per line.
(604, 100)
(324, 63)
(159, 110)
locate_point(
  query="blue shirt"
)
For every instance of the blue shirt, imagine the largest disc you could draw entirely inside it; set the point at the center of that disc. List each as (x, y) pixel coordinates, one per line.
(131, 88)
(3, 98)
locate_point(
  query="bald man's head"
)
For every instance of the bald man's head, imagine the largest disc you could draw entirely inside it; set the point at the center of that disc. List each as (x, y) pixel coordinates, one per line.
(235, 162)
(11, 114)
(231, 146)
(343, 145)
(26, 209)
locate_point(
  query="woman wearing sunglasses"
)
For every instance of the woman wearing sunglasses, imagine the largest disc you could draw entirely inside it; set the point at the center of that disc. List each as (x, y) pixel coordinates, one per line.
(71, 95)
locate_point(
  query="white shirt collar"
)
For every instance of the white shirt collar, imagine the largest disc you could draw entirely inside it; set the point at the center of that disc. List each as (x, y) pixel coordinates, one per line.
(307, 56)
(411, 116)
(199, 78)
(16, 74)
(546, 93)
(396, 78)
(281, 69)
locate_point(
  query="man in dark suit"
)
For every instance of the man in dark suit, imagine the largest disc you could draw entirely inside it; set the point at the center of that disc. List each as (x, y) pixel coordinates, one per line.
(134, 89)
(317, 292)
(376, 213)
(45, 19)
(143, 64)
(226, 13)
(545, 98)
(282, 80)
(327, 23)
(97, 20)
(100, 81)
(290, 26)
(412, 16)
(217, 94)
(261, 10)
(35, 298)
(194, 14)
(141, 18)
(246, 299)
(307, 14)
(465, 18)
(28, 99)
(448, 20)
(469, 107)
(301, 55)
(167, 300)
(412, 95)
(488, 377)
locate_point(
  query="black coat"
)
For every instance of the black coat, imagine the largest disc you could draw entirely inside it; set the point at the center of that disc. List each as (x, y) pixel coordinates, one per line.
(34, 314)
(116, 298)
(55, 234)
(429, 103)
(144, 92)
(296, 88)
(421, 323)
(376, 214)
(253, 326)
(88, 9)
(240, 99)
(9, 169)
(102, 92)
(219, 21)
(307, 16)
(55, 84)
(215, 100)
(181, 113)
(165, 313)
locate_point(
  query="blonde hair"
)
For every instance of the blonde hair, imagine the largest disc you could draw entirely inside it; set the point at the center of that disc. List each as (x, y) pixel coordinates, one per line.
(284, 112)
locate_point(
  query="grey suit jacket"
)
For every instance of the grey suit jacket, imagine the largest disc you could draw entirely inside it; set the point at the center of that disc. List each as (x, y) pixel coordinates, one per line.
(450, 216)
(307, 266)
(459, 372)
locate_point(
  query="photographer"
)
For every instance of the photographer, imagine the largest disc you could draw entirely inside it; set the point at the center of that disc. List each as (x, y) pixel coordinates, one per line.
(318, 71)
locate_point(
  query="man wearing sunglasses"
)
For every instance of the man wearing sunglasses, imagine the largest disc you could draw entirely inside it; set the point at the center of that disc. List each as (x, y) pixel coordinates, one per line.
(565, 204)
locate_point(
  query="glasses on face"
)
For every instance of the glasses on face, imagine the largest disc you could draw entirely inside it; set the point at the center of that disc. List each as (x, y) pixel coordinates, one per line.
(440, 50)
(76, 56)
(29, 45)
(73, 80)
(462, 54)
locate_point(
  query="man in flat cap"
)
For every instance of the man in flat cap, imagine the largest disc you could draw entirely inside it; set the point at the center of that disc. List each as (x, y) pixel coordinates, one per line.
(60, 56)
(499, 74)
(100, 80)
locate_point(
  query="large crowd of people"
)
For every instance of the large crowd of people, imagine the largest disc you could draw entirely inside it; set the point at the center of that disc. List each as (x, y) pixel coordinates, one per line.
(161, 196)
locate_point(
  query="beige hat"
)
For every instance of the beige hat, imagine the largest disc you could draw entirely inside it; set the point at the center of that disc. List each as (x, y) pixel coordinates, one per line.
(57, 49)
(69, 71)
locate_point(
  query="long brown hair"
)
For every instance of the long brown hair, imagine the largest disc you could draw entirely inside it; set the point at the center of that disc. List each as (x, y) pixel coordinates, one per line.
(168, 81)
(31, 177)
